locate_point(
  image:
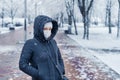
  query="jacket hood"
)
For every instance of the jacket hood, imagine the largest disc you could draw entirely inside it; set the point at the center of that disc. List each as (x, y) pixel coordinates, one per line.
(39, 23)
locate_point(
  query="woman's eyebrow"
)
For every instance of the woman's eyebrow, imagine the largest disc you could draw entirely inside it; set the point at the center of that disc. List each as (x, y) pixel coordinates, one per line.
(47, 28)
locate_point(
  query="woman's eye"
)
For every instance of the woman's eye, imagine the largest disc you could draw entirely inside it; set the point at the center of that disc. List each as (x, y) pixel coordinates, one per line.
(47, 28)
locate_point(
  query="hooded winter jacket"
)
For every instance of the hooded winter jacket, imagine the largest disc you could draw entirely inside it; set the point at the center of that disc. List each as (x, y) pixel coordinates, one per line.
(35, 60)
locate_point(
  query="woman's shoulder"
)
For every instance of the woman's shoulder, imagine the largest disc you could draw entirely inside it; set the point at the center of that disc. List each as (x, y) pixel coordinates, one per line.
(30, 42)
(54, 41)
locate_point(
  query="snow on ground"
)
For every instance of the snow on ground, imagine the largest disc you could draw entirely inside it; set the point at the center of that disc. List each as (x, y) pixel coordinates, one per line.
(6, 29)
(98, 37)
(7, 48)
(8, 20)
(101, 39)
(111, 60)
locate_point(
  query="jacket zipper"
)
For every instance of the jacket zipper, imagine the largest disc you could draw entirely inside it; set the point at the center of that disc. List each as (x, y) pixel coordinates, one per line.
(48, 48)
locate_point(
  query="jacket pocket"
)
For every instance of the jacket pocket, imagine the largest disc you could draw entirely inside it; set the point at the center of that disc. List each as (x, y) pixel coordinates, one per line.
(43, 71)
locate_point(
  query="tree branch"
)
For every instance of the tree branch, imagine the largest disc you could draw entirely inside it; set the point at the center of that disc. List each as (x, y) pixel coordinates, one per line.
(91, 3)
(81, 6)
(119, 1)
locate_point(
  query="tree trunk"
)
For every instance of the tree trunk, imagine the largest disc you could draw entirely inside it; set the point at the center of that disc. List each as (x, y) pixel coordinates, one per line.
(74, 21)
(75, 25)
(109, 24)
(118, 27)
(61, 19)
(85, 26)
(2, 17)
(85, 9)
(12, 11)
(69, 24)
(12, 19)
(2, 22)
(106, 17)
(88, 24)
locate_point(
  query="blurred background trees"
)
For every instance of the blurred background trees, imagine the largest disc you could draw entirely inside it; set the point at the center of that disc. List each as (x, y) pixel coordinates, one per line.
(68, 12)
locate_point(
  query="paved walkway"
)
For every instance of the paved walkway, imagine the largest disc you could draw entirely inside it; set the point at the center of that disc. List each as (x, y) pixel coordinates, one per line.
(77, 67)
(14, 37)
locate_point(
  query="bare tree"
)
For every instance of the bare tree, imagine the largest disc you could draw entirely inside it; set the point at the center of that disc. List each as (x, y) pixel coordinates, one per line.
(60, 17)
(108, 15)
(2, 16)
(118, 27)
(2, 13)
(84, 7)
(74, 20)
(70, 12)
(68, 9)
(11, 10)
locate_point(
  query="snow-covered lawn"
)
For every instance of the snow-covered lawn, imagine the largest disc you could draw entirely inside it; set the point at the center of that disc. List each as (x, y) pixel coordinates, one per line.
(6, 30)
(111, 59)
(101, 39)
(8, 20)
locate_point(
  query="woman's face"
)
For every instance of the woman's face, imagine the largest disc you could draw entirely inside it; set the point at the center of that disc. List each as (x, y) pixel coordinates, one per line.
(47, 29)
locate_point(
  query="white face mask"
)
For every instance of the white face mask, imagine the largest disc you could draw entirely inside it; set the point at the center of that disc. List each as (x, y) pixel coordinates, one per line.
(47, 30)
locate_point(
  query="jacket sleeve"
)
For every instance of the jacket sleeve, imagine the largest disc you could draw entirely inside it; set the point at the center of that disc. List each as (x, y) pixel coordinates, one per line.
(25, 59)
(61, 61)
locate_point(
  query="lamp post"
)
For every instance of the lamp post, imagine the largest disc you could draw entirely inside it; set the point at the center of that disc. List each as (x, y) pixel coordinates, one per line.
(25, 21)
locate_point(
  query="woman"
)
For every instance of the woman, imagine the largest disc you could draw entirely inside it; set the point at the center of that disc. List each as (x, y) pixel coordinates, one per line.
(40, 57)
